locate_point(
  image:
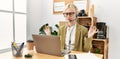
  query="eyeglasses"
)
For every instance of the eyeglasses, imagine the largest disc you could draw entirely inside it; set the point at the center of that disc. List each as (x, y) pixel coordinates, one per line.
(68, 13)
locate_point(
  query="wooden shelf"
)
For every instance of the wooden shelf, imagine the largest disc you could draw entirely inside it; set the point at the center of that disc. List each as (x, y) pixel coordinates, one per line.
(84, 20)
(85, 17)
(100, 46)
(87, 21)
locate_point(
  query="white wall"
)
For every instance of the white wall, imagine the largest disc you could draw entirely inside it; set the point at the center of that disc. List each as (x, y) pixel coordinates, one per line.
(40, 12)
(108, 11)
(34, 16)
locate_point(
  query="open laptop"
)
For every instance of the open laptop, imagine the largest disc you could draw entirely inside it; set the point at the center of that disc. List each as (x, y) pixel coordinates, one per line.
(47, 44)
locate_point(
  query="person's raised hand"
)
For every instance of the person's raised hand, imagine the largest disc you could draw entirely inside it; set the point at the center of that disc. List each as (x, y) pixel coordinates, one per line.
(47, 30)
(92, 31)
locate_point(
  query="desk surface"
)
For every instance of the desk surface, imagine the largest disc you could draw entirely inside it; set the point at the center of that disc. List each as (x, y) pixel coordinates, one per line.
(8, 55)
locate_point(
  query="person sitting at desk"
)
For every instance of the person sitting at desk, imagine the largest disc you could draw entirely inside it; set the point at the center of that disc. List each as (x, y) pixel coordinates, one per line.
(73, 36)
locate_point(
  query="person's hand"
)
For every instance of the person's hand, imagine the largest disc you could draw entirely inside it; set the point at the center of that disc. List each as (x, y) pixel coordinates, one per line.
(92, 31)
(47, 30)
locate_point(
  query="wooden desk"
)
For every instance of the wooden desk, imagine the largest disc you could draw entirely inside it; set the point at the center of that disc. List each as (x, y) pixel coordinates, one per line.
(8, 55)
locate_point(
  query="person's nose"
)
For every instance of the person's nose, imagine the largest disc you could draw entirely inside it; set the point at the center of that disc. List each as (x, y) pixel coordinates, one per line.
(68, 15)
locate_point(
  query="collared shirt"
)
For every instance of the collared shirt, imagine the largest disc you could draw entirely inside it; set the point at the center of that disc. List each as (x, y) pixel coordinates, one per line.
(70, 37)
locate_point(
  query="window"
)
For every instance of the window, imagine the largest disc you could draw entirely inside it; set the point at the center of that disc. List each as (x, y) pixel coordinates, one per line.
(20, 25)
(20, 6)
(12, 22)
(6, 29)
(6, 5)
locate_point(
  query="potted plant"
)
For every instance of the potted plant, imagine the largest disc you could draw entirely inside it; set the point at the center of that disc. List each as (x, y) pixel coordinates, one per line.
(53, 32)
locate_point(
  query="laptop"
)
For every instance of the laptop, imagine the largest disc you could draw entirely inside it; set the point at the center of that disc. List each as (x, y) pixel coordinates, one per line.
(47, 44)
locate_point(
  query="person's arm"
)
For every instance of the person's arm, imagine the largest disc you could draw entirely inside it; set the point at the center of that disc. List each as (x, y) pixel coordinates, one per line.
(87, 44)
(88, 39)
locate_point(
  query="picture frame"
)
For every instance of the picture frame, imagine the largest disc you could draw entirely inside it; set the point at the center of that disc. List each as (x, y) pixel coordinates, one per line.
(58, 5)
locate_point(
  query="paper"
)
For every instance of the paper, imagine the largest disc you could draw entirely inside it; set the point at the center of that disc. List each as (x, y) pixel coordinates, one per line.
(84, 56)
(59, 6)
(87, 56)
(81, 4)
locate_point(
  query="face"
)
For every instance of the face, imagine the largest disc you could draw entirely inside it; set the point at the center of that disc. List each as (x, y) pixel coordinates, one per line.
(69, 14)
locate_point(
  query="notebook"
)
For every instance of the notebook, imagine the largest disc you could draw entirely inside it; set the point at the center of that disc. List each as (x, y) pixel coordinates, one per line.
(47, 44)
